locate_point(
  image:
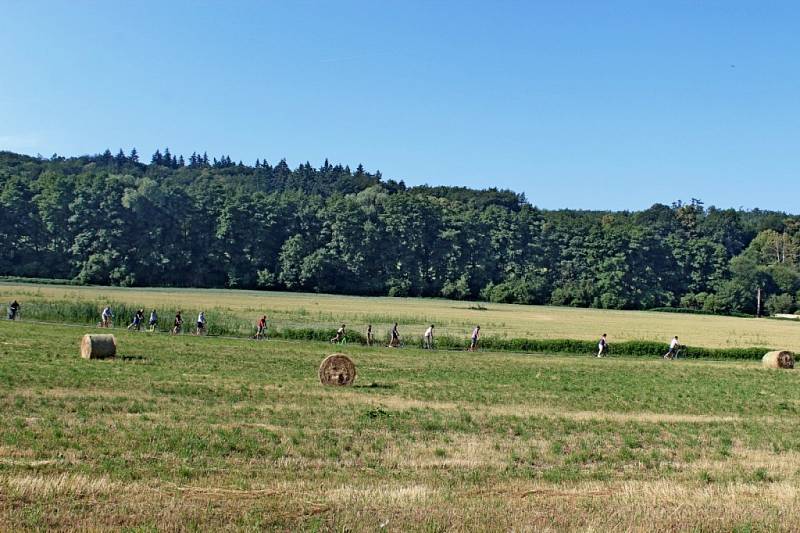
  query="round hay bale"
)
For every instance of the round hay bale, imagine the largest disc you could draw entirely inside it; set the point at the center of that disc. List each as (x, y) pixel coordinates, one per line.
(98, 346)
(337, 369)
(778, 359)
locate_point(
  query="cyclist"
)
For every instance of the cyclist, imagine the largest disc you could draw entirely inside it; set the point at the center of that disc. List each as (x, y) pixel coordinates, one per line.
(261, 327)
(476, 334)
(201, 323)
(13, 310)
(106, 317)
(427, 339)
(176, 328)
(394, 342)
(136, 324)
(602, 346)
(674, 347)
(339, 335)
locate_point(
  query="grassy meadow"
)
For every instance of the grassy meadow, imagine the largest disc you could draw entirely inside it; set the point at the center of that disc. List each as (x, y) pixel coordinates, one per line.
(211, 433)
(415, 314)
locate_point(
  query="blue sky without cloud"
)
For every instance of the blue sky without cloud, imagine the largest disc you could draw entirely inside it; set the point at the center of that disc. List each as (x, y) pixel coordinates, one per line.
(583, 104)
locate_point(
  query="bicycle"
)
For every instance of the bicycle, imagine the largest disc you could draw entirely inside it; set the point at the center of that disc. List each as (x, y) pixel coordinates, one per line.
(340, 342)
(672, 355)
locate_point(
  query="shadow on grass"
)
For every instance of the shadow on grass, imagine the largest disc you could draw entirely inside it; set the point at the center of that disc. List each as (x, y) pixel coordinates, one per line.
(374, 385)
(133, 358)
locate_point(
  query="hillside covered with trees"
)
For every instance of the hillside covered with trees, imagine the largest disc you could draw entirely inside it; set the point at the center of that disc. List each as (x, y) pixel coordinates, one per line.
(200, 222)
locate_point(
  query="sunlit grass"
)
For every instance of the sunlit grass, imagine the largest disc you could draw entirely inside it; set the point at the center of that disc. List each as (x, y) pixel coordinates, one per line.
(215, 433)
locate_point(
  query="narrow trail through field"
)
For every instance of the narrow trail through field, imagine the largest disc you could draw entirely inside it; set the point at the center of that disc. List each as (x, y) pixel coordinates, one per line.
(331, 348)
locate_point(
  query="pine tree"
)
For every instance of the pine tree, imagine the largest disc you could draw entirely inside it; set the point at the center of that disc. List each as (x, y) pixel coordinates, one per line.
(258, 163)
(157, 158)
(134, 156)
(205, 159)
(167, 158)
(120, 158)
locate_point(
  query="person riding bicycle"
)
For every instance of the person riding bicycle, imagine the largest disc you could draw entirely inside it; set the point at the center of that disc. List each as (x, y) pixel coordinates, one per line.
(136, 323)
(106, 317)
(394, 341)
(427, 338)
(13, 310)
(476, 335)
(153, 320)
(201, 323)
(176, 328)
(674, 347)
(339, 335)
(261, 327)
(602, 346)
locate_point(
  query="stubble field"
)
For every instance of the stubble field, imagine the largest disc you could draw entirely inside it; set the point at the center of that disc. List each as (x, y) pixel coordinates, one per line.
(212, 433)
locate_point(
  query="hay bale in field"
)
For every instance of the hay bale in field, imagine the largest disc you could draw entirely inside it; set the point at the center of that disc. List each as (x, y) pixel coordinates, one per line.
(98, 346)
(337, 369)
(779, 359)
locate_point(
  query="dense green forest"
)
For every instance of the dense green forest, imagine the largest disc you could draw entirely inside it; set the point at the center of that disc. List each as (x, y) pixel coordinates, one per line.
(200, 222)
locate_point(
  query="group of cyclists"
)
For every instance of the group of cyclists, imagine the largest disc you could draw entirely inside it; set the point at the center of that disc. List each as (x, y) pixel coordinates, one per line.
(137, 321)
(672, 353)
(107, 321)
(201, 328)
(394, 337)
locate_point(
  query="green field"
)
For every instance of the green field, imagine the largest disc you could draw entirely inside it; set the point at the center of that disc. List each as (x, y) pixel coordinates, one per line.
(451, 317)
(212, 433)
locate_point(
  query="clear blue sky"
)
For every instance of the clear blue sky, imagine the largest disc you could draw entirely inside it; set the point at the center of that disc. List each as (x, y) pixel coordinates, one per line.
(587, 104)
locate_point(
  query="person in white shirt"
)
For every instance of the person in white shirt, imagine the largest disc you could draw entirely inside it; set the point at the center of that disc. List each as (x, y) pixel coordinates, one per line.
(674, 346)
(201, 323)
(106, 317)
(153, 320)
(427, 339)
(476, 334)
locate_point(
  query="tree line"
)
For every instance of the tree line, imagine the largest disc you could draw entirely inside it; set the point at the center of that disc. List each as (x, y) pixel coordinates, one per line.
(210, 222)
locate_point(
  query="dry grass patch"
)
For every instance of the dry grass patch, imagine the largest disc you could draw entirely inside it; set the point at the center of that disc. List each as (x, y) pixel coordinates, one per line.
(460, 451)
(41, 486)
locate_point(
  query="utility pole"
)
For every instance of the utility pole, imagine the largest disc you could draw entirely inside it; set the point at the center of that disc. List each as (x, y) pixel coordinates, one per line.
(758, 302)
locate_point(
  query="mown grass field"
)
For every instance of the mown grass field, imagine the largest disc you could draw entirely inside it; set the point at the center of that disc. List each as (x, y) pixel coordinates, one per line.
(213, 433)
(450, 317)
